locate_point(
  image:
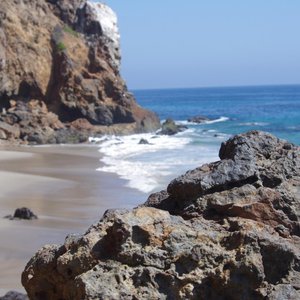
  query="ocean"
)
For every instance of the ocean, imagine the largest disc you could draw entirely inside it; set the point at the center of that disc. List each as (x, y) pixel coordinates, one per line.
(231, 110)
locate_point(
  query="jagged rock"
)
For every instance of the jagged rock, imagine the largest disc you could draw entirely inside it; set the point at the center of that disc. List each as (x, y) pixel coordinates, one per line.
(12, 295)
(169, 127)
(226, 230)
(75, 47)
(22, 213)
(198, 119)
(8, 131)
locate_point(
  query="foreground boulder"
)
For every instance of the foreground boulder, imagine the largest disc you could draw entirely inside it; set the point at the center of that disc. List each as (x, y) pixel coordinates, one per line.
(226, 230)
(59, 63)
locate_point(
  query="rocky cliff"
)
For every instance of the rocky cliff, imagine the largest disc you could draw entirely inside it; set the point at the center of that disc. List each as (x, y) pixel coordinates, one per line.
(226, 230)
(60, 73)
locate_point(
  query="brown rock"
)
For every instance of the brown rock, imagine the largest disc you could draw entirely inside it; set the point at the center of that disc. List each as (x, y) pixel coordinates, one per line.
(64, 55)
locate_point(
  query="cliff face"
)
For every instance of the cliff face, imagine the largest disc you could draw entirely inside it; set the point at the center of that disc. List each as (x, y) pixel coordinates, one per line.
(226, 230)
(59, 72)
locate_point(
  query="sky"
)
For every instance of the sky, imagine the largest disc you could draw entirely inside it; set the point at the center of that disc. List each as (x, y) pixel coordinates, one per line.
(202, 43)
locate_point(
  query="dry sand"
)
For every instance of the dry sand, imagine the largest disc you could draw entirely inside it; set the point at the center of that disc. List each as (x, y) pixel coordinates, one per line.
(61, 185)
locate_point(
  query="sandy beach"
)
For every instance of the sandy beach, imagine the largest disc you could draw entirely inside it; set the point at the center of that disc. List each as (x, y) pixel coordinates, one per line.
(61, 185)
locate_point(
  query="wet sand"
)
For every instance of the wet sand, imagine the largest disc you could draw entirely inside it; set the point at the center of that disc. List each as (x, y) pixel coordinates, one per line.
(61, 185)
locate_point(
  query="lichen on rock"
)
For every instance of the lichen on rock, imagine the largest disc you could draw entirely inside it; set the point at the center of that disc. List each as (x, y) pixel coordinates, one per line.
(226, 230)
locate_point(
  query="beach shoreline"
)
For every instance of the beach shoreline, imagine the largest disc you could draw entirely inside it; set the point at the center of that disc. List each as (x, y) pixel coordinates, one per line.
(61, 185)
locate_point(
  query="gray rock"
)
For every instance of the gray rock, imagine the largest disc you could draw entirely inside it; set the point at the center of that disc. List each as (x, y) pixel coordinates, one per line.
(198, 119)
(144, 142)
(9, 131)
(169, 127)
(12, 295)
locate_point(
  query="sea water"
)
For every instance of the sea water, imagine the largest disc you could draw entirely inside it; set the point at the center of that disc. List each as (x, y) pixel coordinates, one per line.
(149, 168)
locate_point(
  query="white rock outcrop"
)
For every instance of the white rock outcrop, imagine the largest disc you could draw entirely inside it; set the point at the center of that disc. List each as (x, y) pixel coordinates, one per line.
(108, 22)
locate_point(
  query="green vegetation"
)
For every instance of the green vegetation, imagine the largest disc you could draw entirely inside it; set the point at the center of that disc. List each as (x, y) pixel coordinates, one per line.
(70, 30)
(61, 47)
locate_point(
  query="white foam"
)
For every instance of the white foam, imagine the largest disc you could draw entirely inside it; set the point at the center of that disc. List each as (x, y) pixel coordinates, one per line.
(150, 167)
(142, 165)
(221, 119)
(125, 146)
(294, 127)
(254, 124)
(139, 175)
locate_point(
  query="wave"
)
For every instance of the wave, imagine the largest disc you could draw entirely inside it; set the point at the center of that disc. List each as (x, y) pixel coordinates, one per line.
(254, 124)
(140, 164)
(124, 146)
(149, 167)
(221, 119)
(139, 175)
(296, 128)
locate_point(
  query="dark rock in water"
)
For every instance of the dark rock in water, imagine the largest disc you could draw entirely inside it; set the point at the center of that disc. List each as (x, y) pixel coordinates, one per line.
(198, 119)
(12, 295)
(23, 213)
(226, 230)
(144, 142)
(169, 127)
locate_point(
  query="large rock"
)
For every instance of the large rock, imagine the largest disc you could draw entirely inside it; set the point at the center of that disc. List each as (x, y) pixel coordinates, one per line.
(169, 127)
(257, 177)
(227, 230)
(66, 55)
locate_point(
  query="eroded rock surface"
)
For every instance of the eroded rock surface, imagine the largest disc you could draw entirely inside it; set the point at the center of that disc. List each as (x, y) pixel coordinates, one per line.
(226, 230)
(65, 55)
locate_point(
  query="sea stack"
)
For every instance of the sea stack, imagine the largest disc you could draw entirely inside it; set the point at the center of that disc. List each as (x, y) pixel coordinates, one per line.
(225, 230)
(60, 74)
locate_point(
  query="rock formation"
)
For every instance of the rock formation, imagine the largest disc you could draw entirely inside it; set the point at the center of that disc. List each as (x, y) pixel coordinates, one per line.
(226, 230)
(169, 127)
(23, 213)
(59, 73)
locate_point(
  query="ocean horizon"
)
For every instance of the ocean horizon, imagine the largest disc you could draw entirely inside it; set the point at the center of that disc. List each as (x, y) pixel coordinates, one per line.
(231, 110)
(133, 90)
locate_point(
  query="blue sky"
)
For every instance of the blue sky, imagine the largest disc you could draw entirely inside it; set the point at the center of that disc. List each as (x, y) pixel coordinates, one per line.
(197, 43)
